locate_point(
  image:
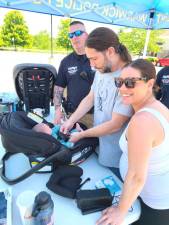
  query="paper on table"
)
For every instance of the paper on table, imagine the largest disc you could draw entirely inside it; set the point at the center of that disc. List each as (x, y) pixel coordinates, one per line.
(110, 183)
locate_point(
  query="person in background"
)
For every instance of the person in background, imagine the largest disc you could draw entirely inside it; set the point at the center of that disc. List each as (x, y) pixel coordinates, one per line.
(162, 82)
(75, 74)
(108, 56)
(144, 164)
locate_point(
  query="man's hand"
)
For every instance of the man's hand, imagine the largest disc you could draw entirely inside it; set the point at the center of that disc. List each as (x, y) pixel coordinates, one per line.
(78, 127)
(66, 126)
(75, 136)
(57, 100)
(58, 116)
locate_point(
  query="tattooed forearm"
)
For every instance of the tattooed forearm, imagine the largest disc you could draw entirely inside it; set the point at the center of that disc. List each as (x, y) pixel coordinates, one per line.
(57, 96)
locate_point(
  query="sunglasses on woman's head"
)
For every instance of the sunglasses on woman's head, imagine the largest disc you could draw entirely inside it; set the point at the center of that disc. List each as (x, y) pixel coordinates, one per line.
(77, 33)
(128, 82)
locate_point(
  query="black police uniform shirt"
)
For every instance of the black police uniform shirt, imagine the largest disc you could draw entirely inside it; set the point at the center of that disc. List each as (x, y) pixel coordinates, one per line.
(163, 82)
(76, 74)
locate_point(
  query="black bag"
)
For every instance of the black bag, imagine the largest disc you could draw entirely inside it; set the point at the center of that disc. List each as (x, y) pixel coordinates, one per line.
(66, 180)
(90, 201)
(17, 136)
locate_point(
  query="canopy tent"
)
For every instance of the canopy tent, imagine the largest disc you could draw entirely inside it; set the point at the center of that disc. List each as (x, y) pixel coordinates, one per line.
(130, 13)
(146, 14)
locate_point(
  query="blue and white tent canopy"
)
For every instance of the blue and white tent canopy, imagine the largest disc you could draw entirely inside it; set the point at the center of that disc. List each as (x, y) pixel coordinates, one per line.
(147, 14)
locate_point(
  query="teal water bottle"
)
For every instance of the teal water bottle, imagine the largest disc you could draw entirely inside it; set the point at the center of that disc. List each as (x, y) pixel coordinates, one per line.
(43, 209)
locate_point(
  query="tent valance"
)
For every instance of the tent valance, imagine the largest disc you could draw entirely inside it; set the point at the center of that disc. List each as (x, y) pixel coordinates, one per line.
(146, 14)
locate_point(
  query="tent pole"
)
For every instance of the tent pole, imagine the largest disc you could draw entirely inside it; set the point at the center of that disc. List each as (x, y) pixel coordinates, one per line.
(146, 42)
(51, 35)
(150, 26)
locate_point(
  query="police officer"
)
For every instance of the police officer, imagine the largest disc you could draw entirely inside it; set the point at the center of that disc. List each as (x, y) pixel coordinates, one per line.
(162, 82)
(74, 73)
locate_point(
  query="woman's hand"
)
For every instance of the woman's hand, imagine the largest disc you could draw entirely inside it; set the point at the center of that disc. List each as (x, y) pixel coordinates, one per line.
(111, 216)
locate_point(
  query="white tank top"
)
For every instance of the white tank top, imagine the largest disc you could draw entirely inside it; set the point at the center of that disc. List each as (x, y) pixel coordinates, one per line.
(155, 192)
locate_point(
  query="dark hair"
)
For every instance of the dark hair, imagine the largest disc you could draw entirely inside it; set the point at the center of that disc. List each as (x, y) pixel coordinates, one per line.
(76, 22)
(102, 38)
(146, 68)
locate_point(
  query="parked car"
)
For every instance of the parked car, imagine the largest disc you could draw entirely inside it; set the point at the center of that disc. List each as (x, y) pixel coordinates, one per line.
(163, 61)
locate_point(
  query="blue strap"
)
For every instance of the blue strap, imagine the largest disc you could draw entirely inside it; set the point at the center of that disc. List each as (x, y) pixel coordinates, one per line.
(55, 131)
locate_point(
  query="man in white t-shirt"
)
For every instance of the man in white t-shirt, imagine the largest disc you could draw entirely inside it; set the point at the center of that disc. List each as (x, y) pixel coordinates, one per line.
(108, 56)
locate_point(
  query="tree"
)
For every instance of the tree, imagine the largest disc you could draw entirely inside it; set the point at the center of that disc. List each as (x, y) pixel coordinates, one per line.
(15, 31)
(62, 39)
(134, 39)
(155, 39)
(1, 41)
(42, 40)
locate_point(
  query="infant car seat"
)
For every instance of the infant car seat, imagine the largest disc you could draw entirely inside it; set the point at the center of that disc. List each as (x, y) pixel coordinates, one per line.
(34, 85)
(17, 136)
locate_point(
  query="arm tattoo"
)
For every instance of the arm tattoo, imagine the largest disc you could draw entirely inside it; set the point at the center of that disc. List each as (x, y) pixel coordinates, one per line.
(57, 96)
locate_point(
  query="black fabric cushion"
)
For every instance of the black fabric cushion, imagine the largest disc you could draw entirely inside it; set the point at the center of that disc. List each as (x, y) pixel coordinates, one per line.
(65, 181)
(71, 182)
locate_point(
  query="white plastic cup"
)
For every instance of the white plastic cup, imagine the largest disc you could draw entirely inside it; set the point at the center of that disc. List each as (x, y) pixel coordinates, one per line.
(25, 202)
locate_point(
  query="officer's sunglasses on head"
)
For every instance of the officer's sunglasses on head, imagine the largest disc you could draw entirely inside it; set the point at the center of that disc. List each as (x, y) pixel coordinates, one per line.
(77, 33)
(128, 82)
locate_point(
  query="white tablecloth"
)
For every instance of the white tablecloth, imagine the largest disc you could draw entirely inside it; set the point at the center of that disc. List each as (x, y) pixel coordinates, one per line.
(65, 210)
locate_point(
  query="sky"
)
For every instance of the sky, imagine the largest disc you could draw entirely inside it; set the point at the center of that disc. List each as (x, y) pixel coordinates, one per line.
(38, 22)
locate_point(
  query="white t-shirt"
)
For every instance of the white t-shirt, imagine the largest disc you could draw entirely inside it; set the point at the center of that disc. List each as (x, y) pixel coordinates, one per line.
(155, 192)
(106, 101)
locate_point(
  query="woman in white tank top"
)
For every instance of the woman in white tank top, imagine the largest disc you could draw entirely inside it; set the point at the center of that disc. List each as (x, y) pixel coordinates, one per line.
(144, 164)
